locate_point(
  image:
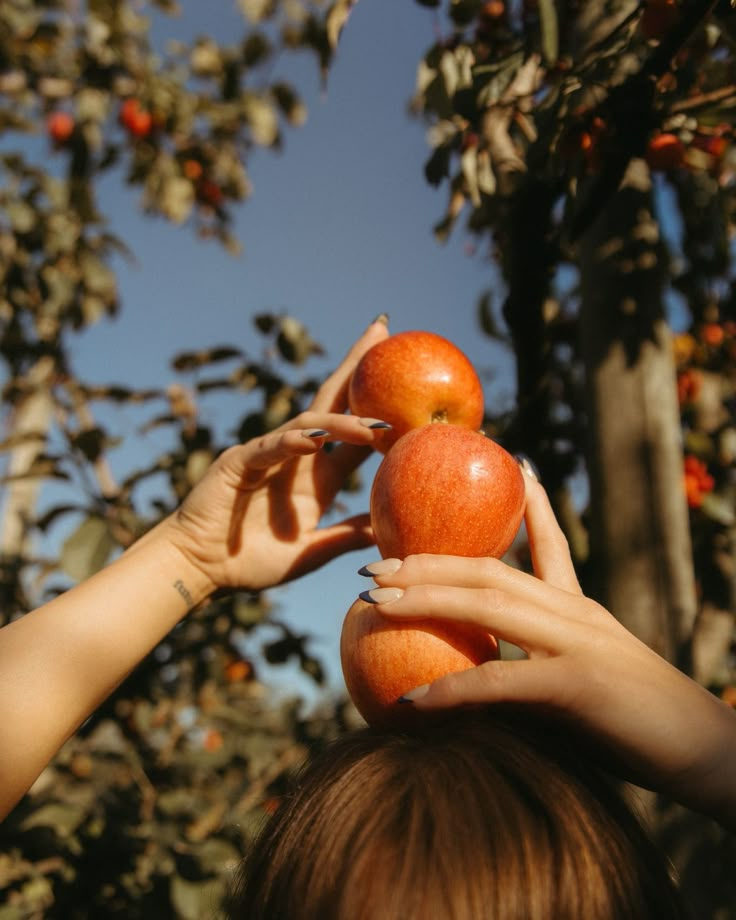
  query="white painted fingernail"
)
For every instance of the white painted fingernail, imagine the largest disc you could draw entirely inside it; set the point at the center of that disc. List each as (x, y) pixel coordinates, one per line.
(413, 695)
(527, 466)
(381, 595)
(382, 567)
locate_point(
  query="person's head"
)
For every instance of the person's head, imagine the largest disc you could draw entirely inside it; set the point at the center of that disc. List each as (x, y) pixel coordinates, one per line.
(484, 814)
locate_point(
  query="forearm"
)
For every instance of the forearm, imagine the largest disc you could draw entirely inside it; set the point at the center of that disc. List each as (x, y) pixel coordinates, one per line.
(59, 662)
(712, 790)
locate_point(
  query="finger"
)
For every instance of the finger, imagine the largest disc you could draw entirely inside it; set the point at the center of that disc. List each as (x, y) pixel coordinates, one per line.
(350, 429)
(468, 572)
(549, 548)
(531, 627)
(304, 435)
(329, 542)
(332, 396)
(525, 681)
(260, 454)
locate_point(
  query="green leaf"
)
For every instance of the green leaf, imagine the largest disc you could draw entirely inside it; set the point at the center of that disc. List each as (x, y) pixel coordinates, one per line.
(262, 119)
(294, 343)
(256, 49)
(87, 549)
(248, 612)
(176, 199)
(194, 900)
(21, 215)
(99, 279)
(265, 322)
(487, 318)
(290, 104)
(62, 819)
(550, 32)
(437, 166)
(462, 12)
(719, 509)
(191, 360)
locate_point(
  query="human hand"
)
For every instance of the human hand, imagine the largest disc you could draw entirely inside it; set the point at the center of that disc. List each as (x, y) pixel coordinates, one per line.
(251, 522)
(645, 718)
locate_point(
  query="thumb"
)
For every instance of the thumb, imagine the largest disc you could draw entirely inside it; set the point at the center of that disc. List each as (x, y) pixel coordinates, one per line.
(328, 542)
(523, 681)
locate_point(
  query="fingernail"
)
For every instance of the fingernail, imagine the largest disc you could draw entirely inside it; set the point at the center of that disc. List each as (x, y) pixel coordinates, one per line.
(527, 466)
(315, 433)
(374, 423)
(381, 595)
(413, 695)
(382, 567)
(381, 318)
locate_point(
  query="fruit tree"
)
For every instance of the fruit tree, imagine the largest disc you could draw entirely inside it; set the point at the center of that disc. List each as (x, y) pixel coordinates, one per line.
(128, 821)
(589, 150)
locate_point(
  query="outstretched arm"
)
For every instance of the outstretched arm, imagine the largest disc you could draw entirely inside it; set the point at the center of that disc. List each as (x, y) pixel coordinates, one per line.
(251, 522)
(654, 725)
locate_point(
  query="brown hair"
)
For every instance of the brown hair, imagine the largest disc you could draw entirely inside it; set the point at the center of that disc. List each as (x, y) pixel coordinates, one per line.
(483, 814)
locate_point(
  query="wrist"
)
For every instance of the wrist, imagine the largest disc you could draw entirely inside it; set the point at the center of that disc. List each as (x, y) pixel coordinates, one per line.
(187, 577)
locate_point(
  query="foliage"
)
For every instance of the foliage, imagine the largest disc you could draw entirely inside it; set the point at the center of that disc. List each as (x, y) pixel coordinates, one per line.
(145, 811)
(537, 110)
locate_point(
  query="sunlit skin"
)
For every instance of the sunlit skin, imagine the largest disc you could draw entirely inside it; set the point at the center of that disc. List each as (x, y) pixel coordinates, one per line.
(251, 522)
(651, 723)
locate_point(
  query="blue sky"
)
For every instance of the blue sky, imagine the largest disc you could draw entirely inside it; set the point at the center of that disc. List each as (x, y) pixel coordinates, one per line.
(339, 229)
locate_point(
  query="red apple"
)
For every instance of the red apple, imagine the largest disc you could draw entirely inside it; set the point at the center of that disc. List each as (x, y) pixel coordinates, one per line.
(665, 152)
(449, 490)
(382, 659)
(60, 126)
(135, 118)
(412, 379)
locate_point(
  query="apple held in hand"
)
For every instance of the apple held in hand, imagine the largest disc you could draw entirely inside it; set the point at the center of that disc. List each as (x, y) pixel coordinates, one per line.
(382, 659)
(447, 490)
(412, 379)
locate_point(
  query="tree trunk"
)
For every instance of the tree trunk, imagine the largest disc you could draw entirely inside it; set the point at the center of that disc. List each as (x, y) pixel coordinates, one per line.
(641, 551)
(28, 427)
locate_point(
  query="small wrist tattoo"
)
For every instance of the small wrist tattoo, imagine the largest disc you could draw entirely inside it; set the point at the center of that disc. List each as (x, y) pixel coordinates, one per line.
(181, 588)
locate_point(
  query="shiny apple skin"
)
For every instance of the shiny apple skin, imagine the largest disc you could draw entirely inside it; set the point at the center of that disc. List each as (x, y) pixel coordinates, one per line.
(447, 490)
(383, 659)
(412, 379)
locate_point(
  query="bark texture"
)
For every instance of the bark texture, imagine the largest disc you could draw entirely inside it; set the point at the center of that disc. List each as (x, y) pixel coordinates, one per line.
(640, 539)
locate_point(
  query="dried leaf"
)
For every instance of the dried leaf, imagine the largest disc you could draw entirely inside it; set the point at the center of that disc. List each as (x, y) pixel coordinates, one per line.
(337, 16)
(257, 10)
(87, 550)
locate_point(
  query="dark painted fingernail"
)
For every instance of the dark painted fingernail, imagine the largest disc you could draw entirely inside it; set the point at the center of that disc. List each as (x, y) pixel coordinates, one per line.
(374, 423)
(381, 567)
(528, 466)
(414, 695)
(381, 318)
(381, 595)
(316, 433)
